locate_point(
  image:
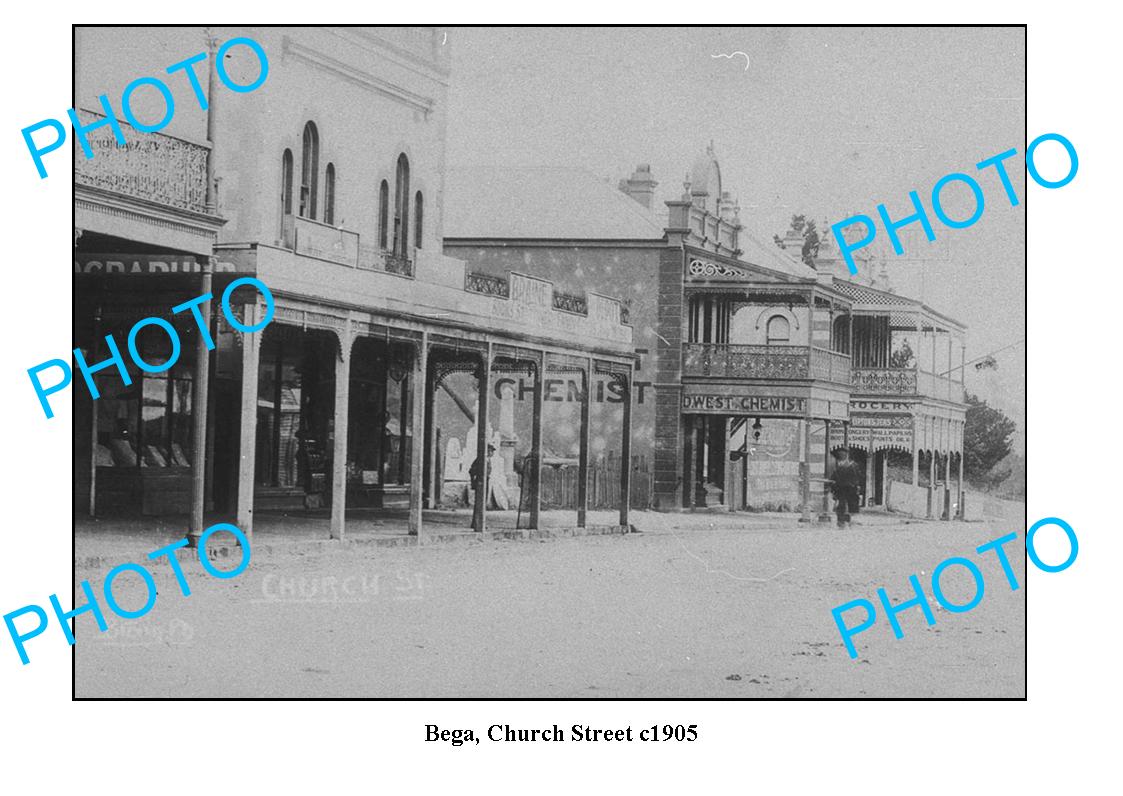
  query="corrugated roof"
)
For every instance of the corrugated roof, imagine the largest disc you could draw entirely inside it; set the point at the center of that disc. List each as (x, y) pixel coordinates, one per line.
(558, 202)
(542, 202)
(868, 295)
(769, 255)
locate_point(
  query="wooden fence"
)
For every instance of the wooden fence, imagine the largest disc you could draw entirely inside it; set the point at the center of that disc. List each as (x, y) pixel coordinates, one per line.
(559, 484)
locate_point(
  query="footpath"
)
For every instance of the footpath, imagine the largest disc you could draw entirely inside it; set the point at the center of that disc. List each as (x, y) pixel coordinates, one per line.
(102, 544)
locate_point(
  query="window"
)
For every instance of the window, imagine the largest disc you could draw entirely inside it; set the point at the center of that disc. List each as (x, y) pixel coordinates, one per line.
(329, 194)
(418, 214)
(779, 330)
(309, 168)
(286, 183)
(401, 207)
(383, 213)
(147, 424)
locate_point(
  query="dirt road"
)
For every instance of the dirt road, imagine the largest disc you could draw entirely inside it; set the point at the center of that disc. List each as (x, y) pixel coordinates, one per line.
(693, 611)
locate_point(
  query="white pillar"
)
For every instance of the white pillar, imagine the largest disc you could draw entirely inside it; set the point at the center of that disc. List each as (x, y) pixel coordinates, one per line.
(247, 435)
(339, 447)
(417, 451)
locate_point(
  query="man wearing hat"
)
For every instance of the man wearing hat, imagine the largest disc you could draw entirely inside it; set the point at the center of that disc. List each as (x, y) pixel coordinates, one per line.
(844, 486)
(476, 473)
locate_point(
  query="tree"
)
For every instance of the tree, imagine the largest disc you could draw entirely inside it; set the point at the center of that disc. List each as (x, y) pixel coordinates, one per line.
(902, 357)
(986, 439)
(806, 227)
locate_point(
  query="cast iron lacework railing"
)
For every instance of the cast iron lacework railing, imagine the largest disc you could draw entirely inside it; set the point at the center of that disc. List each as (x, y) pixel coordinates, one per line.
(375, 258)
(905, 381)
(765, 362)
(884, 381)
(830, 365)
(571, 303)
(151, 166)
(487, 284)
(397, 264)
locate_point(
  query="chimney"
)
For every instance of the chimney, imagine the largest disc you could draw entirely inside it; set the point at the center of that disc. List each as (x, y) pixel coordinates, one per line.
(793, 244)
(640, 186)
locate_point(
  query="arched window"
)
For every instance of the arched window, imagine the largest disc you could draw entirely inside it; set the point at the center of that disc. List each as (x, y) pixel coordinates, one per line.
(401, 207)
(418, 216)
(779, 330)
(286, 183)
(329, 194)
(383, 214)
(309, 169)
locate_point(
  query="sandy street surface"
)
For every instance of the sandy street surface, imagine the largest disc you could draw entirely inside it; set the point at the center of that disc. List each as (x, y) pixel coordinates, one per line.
(696, 606)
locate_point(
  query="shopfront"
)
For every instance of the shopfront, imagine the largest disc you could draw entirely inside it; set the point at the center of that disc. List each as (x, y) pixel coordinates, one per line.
(134, 446)
(355, 397)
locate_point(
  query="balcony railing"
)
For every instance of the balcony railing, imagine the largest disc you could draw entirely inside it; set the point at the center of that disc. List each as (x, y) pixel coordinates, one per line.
(567, 302)
(398, 264)
(905, 381)
(150, 166)
(884, 381)
(934, 386)
(785, 362)
(323, 241)
(487, 284)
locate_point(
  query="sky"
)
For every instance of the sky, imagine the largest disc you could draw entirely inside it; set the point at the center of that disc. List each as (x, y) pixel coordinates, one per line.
(828, 122)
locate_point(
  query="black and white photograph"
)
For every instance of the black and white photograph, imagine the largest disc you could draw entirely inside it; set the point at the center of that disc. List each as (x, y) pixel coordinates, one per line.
(559, 363)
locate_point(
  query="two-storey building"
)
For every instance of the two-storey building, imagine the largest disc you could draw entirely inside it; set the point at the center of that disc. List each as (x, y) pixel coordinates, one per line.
(387, 369)
(907, 405)
(753, 366)
(742, 350)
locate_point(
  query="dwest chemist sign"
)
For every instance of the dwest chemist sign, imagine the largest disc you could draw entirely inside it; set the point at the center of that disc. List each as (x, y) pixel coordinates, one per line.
(769, 405)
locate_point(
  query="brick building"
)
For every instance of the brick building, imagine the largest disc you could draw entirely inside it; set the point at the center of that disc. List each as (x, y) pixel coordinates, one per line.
(744, 369)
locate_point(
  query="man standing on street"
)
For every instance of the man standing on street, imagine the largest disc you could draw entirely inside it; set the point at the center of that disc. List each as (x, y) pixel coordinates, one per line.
(844, 487)
(480, 475)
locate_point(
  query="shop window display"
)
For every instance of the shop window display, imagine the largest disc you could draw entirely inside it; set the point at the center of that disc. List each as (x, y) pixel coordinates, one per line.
(144, 434)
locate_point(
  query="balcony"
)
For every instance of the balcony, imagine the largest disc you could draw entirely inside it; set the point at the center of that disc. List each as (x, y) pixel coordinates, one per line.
(335, 244)
(905, 382)
(325, 242)
(782, 362)
(150, 166)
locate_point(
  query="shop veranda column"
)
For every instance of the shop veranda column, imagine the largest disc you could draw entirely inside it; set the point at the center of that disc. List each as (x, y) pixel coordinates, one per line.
(339, 442)
(247, 442)
(419, 397)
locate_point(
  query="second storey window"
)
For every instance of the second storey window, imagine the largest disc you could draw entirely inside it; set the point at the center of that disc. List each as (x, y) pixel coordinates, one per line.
(418, 216)
(401, 207)
(779, 330)
(309, 168)
(286, 183)
(329, 194)
(383, 213)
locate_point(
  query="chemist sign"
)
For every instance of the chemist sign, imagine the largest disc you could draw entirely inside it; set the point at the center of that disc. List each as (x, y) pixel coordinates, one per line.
(767, 405)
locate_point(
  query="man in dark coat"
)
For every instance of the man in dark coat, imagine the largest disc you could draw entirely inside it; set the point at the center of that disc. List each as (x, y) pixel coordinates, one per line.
(480, 475)
(846, 479)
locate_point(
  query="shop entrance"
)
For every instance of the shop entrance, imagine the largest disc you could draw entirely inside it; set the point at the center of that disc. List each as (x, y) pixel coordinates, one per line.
(295, 406)
(379, 432)
(704, 460)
